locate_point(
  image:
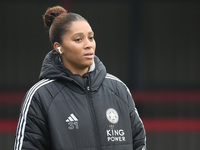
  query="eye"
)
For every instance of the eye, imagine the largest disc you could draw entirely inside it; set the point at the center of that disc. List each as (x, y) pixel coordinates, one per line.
(91, 38)
(78, 40)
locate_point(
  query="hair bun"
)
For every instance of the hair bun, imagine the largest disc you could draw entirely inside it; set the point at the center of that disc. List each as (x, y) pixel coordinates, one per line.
(51, 13)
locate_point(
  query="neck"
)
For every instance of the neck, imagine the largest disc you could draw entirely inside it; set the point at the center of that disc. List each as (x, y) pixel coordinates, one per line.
(77, 70)
(80, 72)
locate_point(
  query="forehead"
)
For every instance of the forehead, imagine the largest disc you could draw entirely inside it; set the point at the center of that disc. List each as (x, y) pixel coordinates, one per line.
(80, 27)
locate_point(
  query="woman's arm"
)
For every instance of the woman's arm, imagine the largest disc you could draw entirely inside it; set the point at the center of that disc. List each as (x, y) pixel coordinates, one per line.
(138, 131)
(32, 131)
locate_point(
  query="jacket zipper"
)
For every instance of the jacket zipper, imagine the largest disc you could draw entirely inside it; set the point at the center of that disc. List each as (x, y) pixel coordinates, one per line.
(93, 114)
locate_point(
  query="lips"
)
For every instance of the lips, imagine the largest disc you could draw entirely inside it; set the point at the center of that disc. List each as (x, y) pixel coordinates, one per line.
(89, 55)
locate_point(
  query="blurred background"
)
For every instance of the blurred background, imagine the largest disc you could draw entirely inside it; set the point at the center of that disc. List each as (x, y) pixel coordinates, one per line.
(151, 45)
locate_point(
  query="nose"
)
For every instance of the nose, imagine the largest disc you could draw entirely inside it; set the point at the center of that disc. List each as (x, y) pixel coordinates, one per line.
(89, 44)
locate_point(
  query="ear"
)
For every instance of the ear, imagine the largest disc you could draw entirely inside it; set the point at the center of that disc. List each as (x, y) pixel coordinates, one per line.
(56, 45)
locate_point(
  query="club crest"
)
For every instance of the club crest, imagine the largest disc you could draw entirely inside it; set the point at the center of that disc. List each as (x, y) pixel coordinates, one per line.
(112, 115)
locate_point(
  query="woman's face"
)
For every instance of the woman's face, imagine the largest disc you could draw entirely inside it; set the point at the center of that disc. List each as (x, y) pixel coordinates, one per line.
(78, 47)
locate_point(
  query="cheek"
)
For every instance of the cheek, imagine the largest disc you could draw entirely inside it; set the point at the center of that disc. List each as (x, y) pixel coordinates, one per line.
(71, 49)
(94, 46)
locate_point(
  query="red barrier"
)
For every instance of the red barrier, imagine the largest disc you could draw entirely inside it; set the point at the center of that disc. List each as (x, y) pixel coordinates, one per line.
(150, 124)
(8, 125)
(12, 97)
(172, 124)
(166, 96)
(139, 96)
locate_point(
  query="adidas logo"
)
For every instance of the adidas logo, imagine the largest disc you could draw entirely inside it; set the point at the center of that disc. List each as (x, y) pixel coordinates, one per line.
(72, 122)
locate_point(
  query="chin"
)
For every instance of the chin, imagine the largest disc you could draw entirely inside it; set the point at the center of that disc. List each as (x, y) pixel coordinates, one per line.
(89, 63)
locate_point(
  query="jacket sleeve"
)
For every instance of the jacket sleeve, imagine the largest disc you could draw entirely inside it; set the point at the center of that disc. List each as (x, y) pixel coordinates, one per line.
(138, 131)
(32, 132)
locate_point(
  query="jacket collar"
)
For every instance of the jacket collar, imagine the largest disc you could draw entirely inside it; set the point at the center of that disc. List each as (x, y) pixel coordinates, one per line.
(52, 68)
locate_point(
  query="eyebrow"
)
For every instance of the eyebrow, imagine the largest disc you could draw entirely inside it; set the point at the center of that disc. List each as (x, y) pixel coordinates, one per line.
(80, 33)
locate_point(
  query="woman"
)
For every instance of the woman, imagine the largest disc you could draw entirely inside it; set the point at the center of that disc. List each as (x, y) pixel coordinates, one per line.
(76, 105)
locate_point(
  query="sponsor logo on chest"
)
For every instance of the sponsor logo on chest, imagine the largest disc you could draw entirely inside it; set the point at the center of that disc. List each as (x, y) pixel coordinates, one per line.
(114, 135)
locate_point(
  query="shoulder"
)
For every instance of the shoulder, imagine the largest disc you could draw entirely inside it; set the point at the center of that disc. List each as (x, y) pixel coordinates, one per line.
(115, 83)
(43, 91)
(39, 86)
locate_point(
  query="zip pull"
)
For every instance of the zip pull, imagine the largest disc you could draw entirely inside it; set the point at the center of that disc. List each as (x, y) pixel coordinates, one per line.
(88, 88)
(88, 82)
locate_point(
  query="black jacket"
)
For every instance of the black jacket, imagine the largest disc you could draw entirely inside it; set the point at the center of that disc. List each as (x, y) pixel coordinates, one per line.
(64, 111)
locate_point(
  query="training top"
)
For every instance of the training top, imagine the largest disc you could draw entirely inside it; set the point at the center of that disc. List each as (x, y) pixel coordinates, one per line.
(66, 111)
